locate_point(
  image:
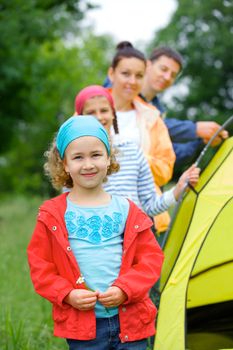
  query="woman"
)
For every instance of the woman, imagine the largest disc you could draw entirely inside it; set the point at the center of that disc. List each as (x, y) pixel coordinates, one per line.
(139, 121)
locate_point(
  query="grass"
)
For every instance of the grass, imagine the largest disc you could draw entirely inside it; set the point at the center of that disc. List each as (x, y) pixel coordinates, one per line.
(25, 317)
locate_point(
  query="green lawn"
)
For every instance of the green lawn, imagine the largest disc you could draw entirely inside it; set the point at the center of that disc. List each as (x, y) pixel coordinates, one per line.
(25, 317)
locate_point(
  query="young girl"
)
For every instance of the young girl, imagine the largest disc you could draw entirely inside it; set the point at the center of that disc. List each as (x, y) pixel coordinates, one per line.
(134, 180)
(93, 255)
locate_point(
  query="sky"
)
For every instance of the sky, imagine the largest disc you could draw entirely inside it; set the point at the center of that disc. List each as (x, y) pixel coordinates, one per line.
(132, 20)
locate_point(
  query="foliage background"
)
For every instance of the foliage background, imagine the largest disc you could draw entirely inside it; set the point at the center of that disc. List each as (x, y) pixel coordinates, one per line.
(202, 31)
(47, 55)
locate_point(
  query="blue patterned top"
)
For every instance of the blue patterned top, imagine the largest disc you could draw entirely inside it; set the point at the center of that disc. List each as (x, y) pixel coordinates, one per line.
(96, 236)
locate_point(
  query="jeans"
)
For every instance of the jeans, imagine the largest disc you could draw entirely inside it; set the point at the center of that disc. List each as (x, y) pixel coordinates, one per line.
(107, 338)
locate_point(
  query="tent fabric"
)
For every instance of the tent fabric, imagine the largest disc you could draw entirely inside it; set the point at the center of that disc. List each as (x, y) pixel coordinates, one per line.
(214, 264)
(198, 264)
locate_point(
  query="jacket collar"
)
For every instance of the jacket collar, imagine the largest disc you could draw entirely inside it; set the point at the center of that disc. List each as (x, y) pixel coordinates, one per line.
(56, 206)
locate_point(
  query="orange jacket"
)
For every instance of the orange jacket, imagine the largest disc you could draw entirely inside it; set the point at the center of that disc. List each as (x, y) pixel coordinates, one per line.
(55, 272)
(157, 147)
(155, 141)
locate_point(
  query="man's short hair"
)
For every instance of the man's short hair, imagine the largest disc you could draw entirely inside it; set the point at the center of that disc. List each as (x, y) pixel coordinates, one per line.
(168, 52)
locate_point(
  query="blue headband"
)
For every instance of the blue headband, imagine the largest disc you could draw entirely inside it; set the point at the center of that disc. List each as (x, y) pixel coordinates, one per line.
(79, 126)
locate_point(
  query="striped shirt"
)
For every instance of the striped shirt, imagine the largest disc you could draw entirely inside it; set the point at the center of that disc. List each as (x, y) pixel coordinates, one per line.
(134, 180)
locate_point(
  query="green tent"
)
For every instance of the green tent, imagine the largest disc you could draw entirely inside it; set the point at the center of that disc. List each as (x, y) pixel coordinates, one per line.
(196, 306)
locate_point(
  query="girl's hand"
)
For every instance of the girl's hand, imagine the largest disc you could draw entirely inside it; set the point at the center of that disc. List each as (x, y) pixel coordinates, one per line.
(82, 299)
(114, 296)
(191, 175)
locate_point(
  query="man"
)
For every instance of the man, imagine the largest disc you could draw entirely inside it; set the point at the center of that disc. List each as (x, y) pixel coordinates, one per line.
(188, 138)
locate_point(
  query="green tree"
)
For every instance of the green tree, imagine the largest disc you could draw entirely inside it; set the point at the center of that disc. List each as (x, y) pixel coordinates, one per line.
(44, 66)
(24, 27)
(202, 32)
(58, 74)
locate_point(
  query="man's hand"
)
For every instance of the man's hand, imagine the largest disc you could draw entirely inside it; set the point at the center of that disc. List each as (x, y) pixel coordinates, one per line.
(206, 130)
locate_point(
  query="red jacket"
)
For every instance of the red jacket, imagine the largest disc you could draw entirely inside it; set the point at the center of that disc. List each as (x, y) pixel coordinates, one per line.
(55, 272)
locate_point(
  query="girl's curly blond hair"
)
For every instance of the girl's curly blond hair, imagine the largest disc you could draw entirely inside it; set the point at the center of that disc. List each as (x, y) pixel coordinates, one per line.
(54, 167)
